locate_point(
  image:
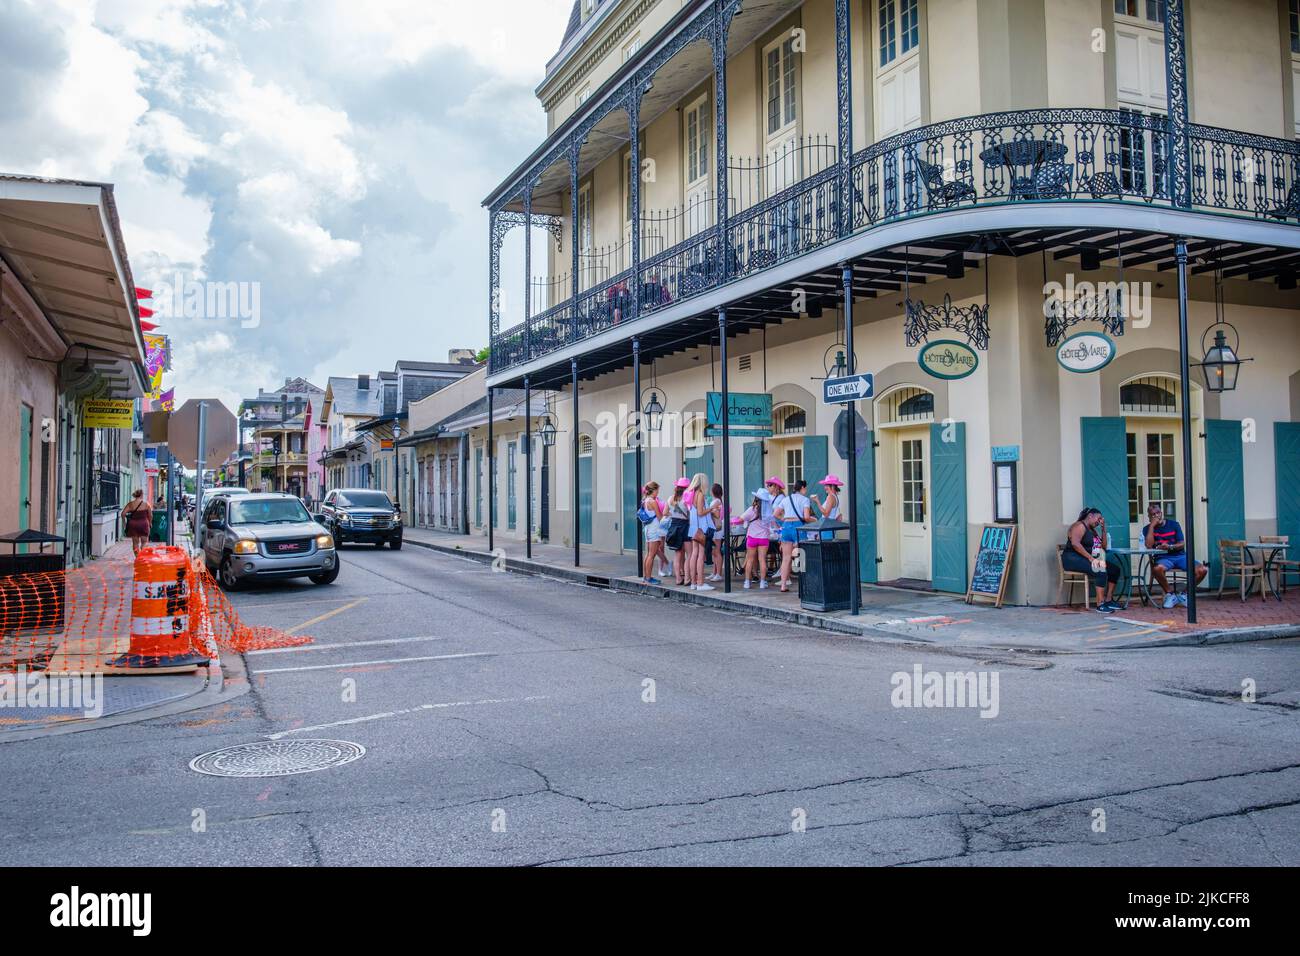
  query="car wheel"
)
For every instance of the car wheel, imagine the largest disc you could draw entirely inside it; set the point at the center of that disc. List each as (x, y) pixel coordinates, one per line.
(226, 576)
(395, 544)
(328, 577)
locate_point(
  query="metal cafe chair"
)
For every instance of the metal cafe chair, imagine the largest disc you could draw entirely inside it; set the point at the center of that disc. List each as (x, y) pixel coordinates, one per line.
(1285, 562)
(1236, 562)
(1070, 578)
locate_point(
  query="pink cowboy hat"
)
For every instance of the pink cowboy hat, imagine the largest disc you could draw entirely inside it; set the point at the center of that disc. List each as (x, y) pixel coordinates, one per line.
(682, 483)
(774, 480)
(832, 480)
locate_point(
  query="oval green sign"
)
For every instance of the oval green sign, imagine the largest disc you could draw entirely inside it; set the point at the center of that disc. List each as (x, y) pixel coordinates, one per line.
(948, 359)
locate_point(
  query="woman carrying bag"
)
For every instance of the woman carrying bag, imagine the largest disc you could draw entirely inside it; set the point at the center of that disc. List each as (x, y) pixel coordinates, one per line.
(139, 519)
(679, 522)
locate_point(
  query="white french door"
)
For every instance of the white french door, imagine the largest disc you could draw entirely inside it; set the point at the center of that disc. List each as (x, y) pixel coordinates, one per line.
(913, 497)
(897, 66)
(1154, 474)
(781, 118)
(697, 160)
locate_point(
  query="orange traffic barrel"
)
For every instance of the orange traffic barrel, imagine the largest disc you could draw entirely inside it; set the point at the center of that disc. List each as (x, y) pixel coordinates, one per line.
(160, 619)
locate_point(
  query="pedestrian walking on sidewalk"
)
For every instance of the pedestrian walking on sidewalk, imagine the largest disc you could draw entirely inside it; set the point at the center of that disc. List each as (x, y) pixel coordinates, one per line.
(139, 519)
(716, 539)
(654, 531)
(757, 537)
(675, 537)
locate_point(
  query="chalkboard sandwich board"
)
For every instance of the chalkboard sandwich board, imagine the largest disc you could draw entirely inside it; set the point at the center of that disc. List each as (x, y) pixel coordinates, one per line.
(992, 563)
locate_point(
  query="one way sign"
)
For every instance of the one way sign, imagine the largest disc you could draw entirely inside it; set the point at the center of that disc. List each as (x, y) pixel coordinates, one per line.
(851, 388)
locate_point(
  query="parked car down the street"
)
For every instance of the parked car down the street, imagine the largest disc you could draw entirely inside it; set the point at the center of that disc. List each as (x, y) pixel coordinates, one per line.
(362, 515)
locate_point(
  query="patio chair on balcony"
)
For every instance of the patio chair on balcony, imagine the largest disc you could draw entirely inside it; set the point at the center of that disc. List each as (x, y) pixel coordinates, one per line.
(1291, 208)
(1101, 184)
(1053, 181)
(943, 194)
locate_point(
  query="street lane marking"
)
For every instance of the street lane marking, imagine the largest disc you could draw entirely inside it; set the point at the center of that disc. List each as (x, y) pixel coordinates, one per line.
(394, 660)
(326, 647)
(326, 616)
(407, 710)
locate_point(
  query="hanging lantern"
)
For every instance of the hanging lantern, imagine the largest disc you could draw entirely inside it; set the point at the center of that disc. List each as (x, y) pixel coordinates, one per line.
(654, 413)
(1221, 363)
(547, 431)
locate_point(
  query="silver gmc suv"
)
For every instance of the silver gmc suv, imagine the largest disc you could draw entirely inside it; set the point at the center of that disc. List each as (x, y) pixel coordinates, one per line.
(263, 536)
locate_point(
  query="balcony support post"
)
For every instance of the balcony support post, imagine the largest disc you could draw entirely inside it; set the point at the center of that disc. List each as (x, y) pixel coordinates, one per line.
(575, 146)
(528, 271)
(528, 468)
(1189, 511)
(577, 515)
(723, 11)
(634, 195)
(1176, 167)
(855, 586)
(726, 457)
(638, 441)
(492, 470)
(844, 105)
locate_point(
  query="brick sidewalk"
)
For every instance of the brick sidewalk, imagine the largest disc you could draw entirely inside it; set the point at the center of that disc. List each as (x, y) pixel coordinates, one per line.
(1215, 614)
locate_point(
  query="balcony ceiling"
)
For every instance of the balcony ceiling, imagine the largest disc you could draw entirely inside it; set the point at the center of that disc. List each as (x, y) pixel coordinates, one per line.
(679, 76)
(886, 270)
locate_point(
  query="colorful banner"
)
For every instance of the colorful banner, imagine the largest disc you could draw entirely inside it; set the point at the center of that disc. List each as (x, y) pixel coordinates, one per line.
(151, 461)
(107, 413)
(167, 400)
(155, 353)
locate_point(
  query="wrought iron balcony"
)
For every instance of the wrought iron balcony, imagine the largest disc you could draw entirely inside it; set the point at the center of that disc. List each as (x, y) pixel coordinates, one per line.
(1032, 156)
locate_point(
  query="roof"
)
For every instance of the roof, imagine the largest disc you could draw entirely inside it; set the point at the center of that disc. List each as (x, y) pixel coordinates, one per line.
(460, 368)
(350, 400)
(507, 403)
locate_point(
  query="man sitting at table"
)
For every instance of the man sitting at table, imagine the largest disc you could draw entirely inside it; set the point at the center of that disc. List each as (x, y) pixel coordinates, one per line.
(1167, 535)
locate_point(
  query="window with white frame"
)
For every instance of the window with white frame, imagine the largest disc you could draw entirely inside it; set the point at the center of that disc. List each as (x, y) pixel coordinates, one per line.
(789, 420)
(899, 24)
(1152, 10)
(582, 95)
(781, 92)
(897, 68)
(906, 405)
(1293, 23)
(1140, 54)
(631, 46)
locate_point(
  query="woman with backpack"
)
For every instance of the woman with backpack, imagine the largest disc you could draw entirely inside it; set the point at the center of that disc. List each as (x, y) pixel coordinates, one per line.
(651, 515)
(678, 526)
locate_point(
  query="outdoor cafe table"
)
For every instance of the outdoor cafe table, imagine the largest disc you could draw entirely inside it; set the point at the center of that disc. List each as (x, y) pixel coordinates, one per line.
(1028, 155)
(1141, 576)
(1273, 549)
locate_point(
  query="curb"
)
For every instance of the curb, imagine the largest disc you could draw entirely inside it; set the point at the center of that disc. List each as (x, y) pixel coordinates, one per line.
(217, 689)
(818, 622)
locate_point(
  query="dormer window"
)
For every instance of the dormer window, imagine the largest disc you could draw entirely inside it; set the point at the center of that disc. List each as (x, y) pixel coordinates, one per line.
(588, 8)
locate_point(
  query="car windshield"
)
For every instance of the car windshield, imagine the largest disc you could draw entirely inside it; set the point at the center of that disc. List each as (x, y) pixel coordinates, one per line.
(267, 511)
(364, 499)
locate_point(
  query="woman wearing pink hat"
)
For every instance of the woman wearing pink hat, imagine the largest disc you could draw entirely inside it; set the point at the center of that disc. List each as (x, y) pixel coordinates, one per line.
(830, 508)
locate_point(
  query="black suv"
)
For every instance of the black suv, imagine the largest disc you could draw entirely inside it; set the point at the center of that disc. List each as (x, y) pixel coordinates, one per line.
(360, 514)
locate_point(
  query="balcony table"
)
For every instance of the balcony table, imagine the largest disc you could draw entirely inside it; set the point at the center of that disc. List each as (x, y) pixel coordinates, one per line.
(1029, 155)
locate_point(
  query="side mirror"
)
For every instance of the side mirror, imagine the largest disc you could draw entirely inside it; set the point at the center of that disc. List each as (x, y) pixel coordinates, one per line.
(320, 519)
(214, 524)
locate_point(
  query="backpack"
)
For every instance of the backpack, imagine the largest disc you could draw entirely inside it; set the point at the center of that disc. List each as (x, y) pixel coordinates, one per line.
(645, 515)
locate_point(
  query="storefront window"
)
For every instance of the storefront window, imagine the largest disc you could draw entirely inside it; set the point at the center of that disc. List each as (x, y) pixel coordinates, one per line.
(1155, 394)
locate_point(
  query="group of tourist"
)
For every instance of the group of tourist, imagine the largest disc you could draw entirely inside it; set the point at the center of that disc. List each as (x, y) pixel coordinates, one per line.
(689, 524)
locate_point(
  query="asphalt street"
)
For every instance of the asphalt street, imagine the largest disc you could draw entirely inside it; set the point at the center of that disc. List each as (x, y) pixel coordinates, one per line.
(516, 720)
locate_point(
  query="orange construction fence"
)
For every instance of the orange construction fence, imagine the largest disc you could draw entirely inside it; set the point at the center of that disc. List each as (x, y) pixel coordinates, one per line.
(161, 612)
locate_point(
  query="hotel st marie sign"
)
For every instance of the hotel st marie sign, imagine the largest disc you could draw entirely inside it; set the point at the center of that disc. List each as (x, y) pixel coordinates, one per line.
(948, 359)
(1085, 352)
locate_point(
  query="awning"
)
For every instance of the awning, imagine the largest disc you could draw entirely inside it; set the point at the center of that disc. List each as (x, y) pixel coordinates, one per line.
(62, 240)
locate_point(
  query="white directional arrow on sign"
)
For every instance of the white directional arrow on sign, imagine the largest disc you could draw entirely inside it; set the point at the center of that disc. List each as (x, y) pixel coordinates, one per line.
(850, 388)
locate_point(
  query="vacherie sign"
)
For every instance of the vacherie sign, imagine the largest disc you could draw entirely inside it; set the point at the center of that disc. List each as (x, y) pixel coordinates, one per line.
(1085, 352)
(948, 359)
(749, 414)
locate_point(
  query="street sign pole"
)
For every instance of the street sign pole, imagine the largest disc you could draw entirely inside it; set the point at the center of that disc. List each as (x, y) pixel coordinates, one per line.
(198, 477)
(855, 596)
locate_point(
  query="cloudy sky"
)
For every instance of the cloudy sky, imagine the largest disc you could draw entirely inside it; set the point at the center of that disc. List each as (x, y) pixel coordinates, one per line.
(335, 152)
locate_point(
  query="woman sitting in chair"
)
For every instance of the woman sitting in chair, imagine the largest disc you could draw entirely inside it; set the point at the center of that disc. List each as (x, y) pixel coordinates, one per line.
(1085, 544)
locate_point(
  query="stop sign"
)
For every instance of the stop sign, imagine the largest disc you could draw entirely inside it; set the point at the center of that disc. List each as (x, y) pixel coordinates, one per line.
(183, 433)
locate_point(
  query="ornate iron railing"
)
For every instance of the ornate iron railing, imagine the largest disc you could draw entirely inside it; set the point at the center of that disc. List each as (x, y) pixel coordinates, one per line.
(1056, 155)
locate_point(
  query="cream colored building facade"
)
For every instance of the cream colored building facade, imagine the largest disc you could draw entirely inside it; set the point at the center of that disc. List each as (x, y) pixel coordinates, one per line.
(994, 150)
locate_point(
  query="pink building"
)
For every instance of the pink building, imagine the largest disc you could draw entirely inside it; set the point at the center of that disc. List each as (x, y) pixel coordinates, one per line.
(317, 442)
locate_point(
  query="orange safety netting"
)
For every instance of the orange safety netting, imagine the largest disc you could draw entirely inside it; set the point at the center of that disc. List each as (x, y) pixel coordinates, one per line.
(100, 619)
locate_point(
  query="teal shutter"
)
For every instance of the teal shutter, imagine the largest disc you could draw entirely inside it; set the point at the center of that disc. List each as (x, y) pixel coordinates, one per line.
(816, 462)
(1286, 456)
(1105, 474)
(478, 487)
(584, 498)
(1225, 486)
(865, 504)
(948, 507)
(753, 471)
(631, 502)
(699, 459)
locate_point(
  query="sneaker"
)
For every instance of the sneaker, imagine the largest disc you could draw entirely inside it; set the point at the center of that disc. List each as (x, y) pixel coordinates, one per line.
(1170, 601)
(652, 581)
(1105, 609)
(704, 587)
(762, 585)
(746, 584)
(1182, 600)
(714, 577)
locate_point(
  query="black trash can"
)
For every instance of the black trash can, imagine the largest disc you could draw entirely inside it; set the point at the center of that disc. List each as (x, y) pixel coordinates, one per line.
(826, 579)
(32, 586)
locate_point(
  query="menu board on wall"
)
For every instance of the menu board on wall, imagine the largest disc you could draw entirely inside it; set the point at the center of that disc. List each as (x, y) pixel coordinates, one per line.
(992, 563)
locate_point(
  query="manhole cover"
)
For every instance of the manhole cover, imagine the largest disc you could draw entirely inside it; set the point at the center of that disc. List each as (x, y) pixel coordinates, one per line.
(277, 758)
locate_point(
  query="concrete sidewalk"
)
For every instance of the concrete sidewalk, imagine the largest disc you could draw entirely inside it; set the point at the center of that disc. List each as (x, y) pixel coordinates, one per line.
(898, 614)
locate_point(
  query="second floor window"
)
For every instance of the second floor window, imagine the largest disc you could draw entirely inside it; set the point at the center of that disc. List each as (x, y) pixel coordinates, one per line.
(1153, 10)
(582, 96)
(1293, 18)
(900, 29)
(699, 136)
(781, 92)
